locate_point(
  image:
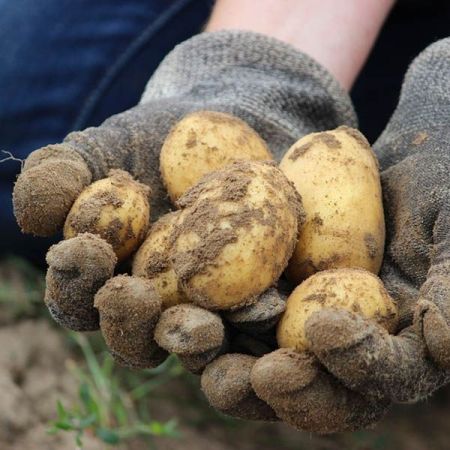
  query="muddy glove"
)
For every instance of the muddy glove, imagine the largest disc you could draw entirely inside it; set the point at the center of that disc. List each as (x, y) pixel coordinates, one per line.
(280, 92)
(414, 152)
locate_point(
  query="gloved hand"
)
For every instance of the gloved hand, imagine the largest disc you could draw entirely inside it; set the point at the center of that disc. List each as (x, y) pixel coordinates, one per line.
(280, 92)
(414, 153)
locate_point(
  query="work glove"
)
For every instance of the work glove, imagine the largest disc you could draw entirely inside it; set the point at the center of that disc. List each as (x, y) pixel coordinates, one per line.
(281, 93)
(414, 154)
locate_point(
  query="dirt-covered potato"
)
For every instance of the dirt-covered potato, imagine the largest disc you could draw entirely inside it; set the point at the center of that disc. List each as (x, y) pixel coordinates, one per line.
(115, 208)
(78, 268)
(336, 174)
(203, 142)
(152, 261)
(354, 290)
(235, 236)
(129, 308)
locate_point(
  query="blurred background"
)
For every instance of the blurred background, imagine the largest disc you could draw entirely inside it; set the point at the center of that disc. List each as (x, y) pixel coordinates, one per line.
(60, 390)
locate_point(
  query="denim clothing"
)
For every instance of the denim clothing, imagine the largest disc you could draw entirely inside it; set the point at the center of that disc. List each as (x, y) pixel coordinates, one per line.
(66, 65)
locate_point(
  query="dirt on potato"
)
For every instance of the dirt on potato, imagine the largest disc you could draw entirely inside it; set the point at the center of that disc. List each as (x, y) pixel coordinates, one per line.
(221, 212)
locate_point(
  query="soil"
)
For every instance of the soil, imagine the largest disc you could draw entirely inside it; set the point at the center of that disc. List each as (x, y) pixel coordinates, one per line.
(33, 375)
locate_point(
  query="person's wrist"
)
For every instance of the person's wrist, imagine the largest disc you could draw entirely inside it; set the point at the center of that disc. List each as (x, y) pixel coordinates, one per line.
(337, 34)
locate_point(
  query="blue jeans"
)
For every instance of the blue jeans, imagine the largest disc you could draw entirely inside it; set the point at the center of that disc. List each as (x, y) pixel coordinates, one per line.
(69, 64)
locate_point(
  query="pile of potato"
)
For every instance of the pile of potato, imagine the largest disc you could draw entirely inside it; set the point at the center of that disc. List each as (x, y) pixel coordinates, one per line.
(212, 277)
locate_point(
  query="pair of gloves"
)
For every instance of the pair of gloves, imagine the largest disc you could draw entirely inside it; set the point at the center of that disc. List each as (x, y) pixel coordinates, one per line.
(347, 382)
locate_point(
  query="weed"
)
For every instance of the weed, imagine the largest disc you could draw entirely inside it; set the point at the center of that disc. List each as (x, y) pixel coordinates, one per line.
(112, 407)
(21, 289)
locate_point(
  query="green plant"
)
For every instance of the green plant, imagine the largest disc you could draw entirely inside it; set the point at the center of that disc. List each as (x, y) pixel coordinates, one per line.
(21, 289)
(113, 403)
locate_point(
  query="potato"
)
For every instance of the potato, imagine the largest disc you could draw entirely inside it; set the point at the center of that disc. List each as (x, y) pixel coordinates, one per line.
(115, 208)
(236, 234)
(336, 174)
(205, 141)
(153, 263)
(355, 290)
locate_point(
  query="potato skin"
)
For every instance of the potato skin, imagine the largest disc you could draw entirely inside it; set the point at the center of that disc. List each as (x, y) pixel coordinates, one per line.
(205, 141)
(236, 234)
(337, 176)
(115, 208)
(152, 261)
(355, 290)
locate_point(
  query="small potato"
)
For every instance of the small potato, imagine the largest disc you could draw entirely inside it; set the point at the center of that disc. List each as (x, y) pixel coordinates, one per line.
(152, 261)
(115, 208)
(236, 234)
(336, 174)
(205, 141)
(354, 290)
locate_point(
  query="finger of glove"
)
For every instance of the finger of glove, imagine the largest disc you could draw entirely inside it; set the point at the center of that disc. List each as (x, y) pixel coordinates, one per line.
(226, 384)
(367, 359)
(51, 180)
(305, 396)
(78, 268)
(129, 308)
(260, 316)
(187, 329)
(436, 332)
(422, 109)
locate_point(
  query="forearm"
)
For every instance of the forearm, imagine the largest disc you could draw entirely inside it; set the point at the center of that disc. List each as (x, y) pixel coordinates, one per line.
(339, 34)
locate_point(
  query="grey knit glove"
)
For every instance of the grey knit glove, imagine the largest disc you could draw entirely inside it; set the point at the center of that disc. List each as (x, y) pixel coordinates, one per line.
(414, 151)
(280, 92)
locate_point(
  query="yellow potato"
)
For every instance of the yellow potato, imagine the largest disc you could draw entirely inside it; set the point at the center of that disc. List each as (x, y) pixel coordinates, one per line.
(236, 234)
(336, 174)
(152, 261)
(115, 208)
(354, 290)
(205, 141)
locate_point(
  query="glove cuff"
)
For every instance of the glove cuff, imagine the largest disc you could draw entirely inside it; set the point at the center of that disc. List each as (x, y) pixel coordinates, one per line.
(276, 88)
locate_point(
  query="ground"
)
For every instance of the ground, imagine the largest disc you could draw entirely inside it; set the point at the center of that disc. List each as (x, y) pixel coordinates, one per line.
(35, 362)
